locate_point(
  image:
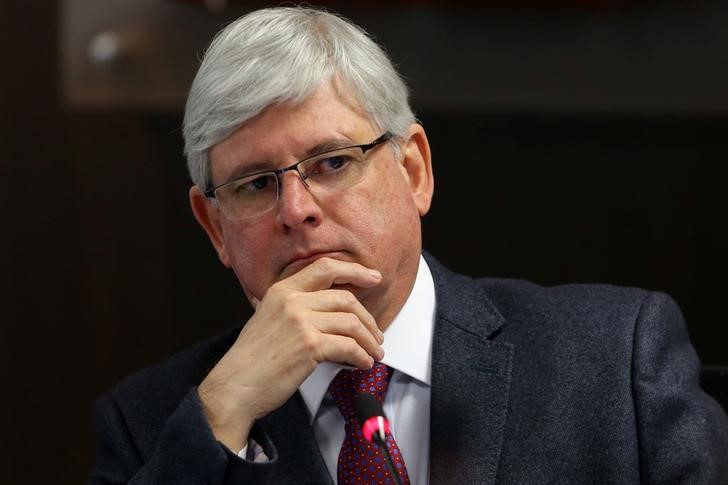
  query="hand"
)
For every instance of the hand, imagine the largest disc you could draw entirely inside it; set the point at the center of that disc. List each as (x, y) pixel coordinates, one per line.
(300, 322)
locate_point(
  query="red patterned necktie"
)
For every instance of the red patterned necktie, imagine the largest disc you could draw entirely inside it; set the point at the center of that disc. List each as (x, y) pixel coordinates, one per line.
(360, 461)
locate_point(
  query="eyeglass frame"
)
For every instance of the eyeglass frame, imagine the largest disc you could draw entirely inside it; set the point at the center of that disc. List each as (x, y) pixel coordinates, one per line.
(365, 147)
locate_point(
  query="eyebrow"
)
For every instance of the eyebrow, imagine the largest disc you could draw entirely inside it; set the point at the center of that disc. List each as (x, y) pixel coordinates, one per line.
(269, 166)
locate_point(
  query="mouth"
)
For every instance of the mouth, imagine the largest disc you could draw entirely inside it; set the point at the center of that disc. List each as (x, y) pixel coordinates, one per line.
(300, 261)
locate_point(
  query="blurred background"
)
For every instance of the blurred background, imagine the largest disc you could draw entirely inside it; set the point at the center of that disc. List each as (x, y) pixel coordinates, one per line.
(573, 141)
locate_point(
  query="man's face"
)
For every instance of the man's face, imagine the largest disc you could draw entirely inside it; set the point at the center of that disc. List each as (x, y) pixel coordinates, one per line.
(375, 223)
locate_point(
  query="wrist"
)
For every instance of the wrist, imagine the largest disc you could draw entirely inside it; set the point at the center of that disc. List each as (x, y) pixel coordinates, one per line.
(229, 423)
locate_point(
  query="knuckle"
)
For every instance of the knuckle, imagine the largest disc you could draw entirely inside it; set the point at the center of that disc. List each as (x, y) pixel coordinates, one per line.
(362, 356)
(292, 314)
(294, 300)
(351, 324)
(351, 347)
(297, 321)
(347, 298)
(275, 291)
(310, 342)
(359, 350)
(287, 307)
(325, 265)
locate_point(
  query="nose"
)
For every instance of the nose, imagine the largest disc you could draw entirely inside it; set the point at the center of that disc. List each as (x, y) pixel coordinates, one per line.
(297, 206)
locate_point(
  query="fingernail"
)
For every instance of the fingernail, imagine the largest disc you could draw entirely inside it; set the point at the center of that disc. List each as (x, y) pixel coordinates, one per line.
(376, 274)
(380, 336)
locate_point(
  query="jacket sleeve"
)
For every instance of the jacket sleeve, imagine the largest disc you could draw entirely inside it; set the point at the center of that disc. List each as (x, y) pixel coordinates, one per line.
(683, 433)
(186, 450)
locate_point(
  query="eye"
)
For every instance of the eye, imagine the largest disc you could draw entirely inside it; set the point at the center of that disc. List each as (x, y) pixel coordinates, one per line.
(330, 164)
(254, 184)
(334, 163)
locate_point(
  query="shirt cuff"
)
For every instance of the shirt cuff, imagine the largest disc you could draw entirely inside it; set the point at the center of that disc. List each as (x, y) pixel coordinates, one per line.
(253, 452)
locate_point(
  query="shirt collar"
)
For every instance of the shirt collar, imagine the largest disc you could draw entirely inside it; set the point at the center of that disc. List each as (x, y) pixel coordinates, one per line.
(407, 342)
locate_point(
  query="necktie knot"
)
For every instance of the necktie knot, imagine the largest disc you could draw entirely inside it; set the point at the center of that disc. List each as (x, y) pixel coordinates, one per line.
(349, 383)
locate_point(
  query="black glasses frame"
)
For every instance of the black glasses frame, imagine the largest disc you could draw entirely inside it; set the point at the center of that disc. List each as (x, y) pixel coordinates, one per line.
(364, 148)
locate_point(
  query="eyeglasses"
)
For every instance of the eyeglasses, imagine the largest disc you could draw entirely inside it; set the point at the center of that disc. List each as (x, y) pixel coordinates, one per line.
(325, 173)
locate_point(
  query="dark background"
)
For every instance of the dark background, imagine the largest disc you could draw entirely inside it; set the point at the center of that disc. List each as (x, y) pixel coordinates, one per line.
(572, 142)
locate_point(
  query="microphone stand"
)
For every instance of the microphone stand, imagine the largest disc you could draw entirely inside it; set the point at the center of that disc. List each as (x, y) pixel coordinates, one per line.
(368, 409)
(381, 440)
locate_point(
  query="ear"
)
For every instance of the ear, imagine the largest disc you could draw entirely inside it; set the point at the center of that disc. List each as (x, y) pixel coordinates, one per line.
(209, 218)
(417, 168)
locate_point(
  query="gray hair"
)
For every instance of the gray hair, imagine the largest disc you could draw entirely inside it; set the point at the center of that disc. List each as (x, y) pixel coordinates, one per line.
(280, 55)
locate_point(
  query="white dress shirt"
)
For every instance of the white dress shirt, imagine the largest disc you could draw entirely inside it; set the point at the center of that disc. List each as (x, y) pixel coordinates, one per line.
(408, 350)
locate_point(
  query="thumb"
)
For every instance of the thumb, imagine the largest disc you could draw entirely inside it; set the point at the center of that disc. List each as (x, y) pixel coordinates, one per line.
(254, 302)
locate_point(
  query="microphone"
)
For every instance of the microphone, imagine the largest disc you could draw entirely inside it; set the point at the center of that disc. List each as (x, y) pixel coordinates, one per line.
(369, 413)
(375, 426)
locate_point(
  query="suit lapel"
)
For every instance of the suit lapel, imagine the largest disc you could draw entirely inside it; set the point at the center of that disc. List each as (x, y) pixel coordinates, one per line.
(471, 376)
(300, 459)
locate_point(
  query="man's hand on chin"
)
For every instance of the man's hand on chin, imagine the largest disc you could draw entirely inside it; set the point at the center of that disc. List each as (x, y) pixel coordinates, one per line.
(301, 321)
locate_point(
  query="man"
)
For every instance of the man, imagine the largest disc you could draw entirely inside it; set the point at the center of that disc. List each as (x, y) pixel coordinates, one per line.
(311, 176)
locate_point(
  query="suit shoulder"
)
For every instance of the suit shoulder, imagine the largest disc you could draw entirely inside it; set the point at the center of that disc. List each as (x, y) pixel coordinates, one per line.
(568, 295)
(522, 303)
(578, 308)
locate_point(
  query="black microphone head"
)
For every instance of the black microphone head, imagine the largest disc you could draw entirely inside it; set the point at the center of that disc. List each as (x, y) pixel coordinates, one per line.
(367, 407)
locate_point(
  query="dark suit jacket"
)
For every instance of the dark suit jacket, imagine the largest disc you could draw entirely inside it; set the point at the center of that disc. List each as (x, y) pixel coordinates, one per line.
(573, 384)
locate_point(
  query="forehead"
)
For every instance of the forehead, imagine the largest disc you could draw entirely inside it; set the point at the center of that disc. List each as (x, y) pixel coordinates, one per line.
(285, 133)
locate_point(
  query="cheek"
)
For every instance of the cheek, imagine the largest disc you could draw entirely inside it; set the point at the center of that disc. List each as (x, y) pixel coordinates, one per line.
(394, 198)
(386, 214)
(248, 252)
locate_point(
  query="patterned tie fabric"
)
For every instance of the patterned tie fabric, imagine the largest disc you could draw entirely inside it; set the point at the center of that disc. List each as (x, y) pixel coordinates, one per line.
(361, 462)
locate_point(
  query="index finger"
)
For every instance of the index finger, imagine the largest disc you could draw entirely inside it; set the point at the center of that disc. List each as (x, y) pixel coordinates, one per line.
(326, 272)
